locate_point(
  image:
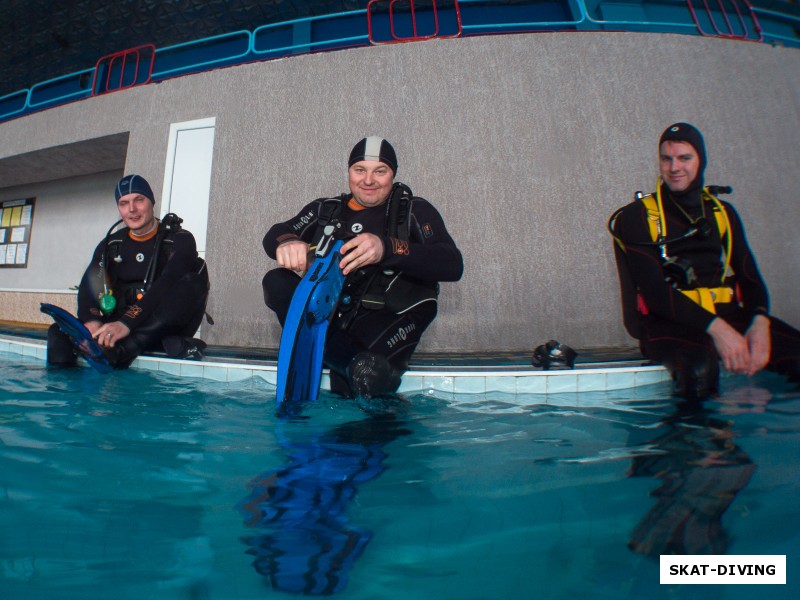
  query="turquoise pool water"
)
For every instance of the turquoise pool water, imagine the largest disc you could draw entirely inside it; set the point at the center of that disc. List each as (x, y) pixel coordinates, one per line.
(143, 485)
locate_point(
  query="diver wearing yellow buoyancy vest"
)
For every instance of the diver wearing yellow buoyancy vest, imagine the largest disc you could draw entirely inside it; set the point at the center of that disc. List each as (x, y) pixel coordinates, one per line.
(692, 293)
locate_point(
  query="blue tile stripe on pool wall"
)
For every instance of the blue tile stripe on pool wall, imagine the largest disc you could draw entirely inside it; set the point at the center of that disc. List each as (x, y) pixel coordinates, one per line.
(466, 381)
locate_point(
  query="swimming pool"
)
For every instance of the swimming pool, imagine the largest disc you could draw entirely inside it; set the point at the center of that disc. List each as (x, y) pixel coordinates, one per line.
(145, 485)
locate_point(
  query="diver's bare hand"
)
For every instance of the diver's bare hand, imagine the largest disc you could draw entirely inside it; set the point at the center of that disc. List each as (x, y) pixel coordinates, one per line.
(293, 255)
(110, 333)
(731, 346)
(364, 249)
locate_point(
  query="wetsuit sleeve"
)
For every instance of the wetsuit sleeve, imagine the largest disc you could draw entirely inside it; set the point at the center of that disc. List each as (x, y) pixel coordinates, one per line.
(182, 261)
(752, 289)
(300, 227)
(430, 254)
(91, 284)
(645, 267)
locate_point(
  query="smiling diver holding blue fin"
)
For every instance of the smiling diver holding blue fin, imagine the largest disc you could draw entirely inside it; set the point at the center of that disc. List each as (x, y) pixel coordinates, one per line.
(395, 252)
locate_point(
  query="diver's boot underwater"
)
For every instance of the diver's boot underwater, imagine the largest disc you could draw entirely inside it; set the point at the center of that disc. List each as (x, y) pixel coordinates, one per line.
(372, 375)
(123, 353)
(356, 372)
(789, 367)
(60, 349)
(695, 373)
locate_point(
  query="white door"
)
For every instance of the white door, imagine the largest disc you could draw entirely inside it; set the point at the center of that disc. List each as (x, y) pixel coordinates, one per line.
(187, 177)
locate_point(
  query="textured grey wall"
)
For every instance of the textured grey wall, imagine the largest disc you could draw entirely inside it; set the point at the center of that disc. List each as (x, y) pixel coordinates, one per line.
(525, 143)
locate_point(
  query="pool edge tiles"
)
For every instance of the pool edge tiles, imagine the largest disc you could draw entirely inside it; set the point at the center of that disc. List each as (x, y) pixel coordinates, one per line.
(459, 380)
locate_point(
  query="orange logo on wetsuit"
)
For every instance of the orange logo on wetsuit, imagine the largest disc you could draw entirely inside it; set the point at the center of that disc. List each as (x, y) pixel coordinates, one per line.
(400, 247)
(133, 311)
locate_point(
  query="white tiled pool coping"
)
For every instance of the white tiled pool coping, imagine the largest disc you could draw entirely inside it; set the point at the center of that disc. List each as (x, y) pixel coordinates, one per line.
(612, 376)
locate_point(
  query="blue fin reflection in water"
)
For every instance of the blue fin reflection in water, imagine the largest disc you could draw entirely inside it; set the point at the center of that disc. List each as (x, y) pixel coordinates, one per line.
(307, 544)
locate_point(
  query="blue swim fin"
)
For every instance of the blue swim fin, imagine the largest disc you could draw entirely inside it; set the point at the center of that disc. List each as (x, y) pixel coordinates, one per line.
(80, 336)
(303, 338)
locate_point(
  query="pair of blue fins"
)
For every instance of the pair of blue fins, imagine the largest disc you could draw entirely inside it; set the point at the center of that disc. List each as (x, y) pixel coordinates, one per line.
(303, 338)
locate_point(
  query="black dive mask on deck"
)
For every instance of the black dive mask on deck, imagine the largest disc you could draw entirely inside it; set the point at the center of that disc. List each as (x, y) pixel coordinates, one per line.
(553, 353)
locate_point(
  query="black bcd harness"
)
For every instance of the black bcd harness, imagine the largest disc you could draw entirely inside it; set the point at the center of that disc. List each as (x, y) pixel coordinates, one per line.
(377, 288)
(678, 272)
(163, 248)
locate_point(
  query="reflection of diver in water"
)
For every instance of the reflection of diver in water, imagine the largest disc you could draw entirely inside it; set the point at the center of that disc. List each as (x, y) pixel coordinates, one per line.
(701, 470)
(307, 545)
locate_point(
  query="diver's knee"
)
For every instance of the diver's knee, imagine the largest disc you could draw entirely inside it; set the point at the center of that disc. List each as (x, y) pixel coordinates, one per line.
(187, 299)
(267, 284)
(277, 283)
(123, 353)
(278, 286)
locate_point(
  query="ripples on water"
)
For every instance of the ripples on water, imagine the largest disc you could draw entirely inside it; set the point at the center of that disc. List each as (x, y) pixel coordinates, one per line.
(143, 485)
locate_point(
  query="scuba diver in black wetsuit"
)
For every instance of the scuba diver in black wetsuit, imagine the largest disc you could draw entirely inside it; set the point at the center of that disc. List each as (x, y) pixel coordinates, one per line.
(398, 251)
(691, 291)
(145, 287)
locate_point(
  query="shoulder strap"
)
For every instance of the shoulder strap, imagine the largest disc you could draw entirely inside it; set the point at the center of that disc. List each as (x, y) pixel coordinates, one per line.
(113, 238)
(329, 209)
(723, 224)
(653, 216)
(722, 220)
(168, 227)
(398, 212)
(654, 219)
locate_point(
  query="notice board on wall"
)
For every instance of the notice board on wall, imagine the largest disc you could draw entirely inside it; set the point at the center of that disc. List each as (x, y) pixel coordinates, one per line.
(16, 222)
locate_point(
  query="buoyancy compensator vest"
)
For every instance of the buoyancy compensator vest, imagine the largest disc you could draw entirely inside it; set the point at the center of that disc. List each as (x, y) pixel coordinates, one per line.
(677, 272)
(129, 292)
(375, 287)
